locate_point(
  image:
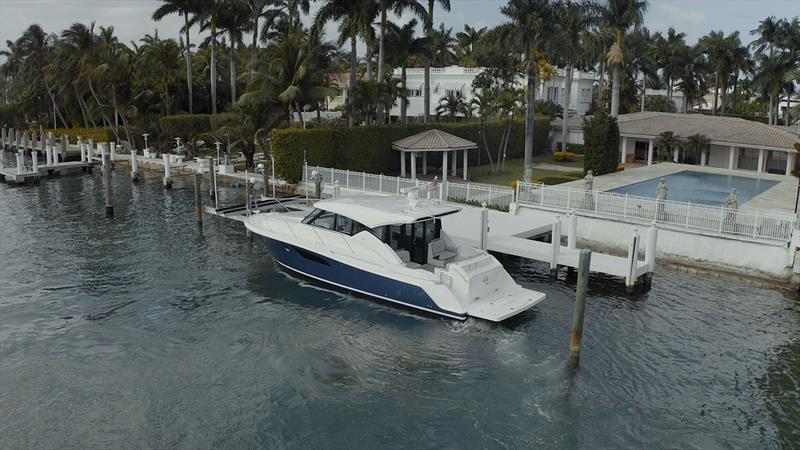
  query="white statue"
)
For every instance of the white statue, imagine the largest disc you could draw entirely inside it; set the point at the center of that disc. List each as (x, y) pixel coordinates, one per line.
(662, 190)
(588, 181)
(731, 202)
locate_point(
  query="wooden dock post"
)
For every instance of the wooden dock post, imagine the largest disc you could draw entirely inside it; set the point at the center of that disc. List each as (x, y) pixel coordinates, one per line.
(555, 239)
(134, 166)
(198, 198)
(113, 150)
(3, 135)
(103, 146)
(633, 259)
(64, 146)
(90, 151)
(572, 231)
(48, 156)
(35, 159)
(107, 184)
(650, 255)
(81, 149)
(213, 188)
(167, 170)
(578, 313)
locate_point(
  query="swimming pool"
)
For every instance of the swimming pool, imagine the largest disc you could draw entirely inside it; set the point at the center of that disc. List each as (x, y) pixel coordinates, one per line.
(699, 187)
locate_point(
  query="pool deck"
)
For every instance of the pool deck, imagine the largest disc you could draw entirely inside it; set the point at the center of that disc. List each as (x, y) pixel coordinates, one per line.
(778, 199)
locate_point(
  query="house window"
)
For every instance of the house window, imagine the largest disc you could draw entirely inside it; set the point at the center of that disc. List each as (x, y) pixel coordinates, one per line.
(552, 94)
(415, 92)
(449, 92)
(586, 95)
(748, 159)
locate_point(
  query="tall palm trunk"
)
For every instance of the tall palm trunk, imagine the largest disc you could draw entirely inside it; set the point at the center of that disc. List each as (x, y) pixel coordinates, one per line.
(403, 106)
(381, 59)
(233, 69)
(724, 96)
(166, 97)
(716, 93)
(369, 60)
(602, 85)
(299, 114)
(529, 119)
(102, 112)
(213, 67)
(125, 123)
(353, 64)
(254, 50)
(55, 105)
(565, 113)
(188, 62)
(615, 91)
(644, 90)
(771, 115)
(429, 35)
(735, 89)
(788, 104)
(80, 105)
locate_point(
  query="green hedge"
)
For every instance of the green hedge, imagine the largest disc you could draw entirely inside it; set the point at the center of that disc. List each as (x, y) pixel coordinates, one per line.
(574, 148)
(11, 116)
(103, 134)
(183, 125)
(217, 121)
(369, 149)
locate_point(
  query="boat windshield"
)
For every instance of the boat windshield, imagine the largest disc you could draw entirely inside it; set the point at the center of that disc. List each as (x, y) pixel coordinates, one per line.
(411, 237)
(335, 222)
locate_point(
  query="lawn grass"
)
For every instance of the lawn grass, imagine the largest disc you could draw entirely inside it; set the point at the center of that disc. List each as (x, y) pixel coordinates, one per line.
(513, 171)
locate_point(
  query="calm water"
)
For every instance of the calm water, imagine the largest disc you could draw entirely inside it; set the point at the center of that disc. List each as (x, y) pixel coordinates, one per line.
(699, 187)
(143, 332)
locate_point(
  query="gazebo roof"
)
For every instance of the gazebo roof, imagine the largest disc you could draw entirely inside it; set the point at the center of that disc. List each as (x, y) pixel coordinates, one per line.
(432, 141)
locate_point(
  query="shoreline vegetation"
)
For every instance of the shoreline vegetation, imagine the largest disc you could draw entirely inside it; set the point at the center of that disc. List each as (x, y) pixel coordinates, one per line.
(261, 63)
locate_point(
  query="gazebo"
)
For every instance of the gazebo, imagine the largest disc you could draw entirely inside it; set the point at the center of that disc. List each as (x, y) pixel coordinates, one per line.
(433, 141)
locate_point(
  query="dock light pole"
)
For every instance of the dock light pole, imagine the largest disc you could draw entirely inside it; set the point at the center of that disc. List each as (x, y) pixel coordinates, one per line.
(146, 150)
(580, 308)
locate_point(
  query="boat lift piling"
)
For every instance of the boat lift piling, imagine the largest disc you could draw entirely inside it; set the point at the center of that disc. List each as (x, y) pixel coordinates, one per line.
(198, 197)
(576, 337)
(134, 166)
(167, 170)
(555, 240)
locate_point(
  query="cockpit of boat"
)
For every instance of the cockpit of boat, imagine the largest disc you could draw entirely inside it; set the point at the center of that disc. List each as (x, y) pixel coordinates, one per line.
(418, 244)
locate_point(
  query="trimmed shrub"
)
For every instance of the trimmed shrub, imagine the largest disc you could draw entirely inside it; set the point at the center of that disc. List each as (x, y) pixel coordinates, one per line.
(574, 148)
(563, 156)
(217, 121)
(620, 168)
(183, 125)
(369, 148)
(601, 138)
(103, 134)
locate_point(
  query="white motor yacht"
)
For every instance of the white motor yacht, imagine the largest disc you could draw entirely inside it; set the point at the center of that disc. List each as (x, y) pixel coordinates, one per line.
(393, 249)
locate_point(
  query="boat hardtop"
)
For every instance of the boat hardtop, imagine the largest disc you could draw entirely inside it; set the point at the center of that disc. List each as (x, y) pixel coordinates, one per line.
(376, 210)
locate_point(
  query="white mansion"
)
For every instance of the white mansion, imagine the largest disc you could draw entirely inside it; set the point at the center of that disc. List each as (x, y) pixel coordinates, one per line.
(456, 79)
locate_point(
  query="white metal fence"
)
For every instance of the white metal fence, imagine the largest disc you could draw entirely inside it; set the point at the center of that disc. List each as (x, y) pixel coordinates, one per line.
(690, 216)
(452, 192)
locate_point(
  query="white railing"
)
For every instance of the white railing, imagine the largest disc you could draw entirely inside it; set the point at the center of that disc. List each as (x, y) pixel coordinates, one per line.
(468, 193)
(689, 216)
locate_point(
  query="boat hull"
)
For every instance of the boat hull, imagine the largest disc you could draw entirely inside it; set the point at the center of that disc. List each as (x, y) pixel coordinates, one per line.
(356, 279)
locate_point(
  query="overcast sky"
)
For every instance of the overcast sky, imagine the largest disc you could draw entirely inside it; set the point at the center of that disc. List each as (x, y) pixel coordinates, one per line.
(132, 18)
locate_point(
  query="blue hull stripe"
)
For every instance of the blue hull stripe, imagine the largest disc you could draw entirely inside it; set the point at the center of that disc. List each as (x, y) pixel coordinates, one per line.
(345, 276)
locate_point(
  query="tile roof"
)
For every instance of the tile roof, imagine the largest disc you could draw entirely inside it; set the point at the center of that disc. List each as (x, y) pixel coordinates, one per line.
(729, 130)
(433, 140)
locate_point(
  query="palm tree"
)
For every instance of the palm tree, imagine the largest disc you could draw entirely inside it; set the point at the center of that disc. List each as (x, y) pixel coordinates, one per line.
(644, 59)
(159, 62)
(402, 46)
(442, 44)
(666, 145)
(509, 104)
(671, 57)
(398, 7)
(574, 19)
(351, 13)
(453, 105)
(694, 146)
(483, 103)
(721, 51)
(184, 8)
(531, 22)
(621, 16)
(114, 71)
(770, 77)
(694, 78)
(234, 20)
(258, 9)
(769, 33)
(468, 42)
(445, 5)
(207, 14)
(77, 56)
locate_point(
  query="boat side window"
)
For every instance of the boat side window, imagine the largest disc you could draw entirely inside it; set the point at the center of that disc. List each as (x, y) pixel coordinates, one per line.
(380, 233)
(342, 224)
(324, 220)
(358, 228)
(395, 238)
(312, 215)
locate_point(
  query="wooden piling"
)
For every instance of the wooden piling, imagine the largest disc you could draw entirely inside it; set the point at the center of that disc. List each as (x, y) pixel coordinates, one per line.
(134, 166)
(580, 308)
(198, 198)
(107, 184)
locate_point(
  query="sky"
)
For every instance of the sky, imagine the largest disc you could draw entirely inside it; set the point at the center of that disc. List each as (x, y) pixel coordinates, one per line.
(132, 18)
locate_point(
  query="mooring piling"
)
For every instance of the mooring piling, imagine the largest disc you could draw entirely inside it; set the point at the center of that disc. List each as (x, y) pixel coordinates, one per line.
(633, 258)
(167, 170)
(134, 165)
(555, 241)
(198, 196)
(90, 151)
(484, 232)
(35, 159)
(576, 336)
(213, 188)
(107, 184)
(20, 161)
(650, 255)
